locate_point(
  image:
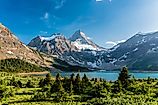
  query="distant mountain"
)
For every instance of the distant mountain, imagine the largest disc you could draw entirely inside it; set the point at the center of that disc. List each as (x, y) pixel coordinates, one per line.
(138, 52)
(12, 47)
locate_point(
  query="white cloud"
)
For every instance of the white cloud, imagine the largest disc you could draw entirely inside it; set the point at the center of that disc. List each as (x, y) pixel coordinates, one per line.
(43, 32)
(45, 16)
(98, 0)
(102, 0)
(121, 41)
(59, 3)
(110, 44)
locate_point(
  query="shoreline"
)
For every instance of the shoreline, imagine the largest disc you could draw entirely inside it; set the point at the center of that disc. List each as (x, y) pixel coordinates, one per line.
(34, 73)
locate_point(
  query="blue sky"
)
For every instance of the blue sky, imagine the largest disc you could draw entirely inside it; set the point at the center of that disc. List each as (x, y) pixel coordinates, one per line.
(106, 22)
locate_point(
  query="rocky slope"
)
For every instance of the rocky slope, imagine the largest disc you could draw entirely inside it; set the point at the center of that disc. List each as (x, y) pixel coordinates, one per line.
(78, 50)
(57, 44)
(11, 47)
(138, 52)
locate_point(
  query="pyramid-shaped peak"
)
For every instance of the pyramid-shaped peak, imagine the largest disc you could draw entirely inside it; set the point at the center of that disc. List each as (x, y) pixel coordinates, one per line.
(79, 32)
(78, 35)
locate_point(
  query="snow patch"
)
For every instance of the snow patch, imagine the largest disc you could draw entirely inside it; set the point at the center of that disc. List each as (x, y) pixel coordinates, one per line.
(152, 44)
(83, 46)
(52, 46)
(10, 52)
(49, 38)
(153, 50)
(136, 49)
(115, 47)
(92, 64)
(94, 53)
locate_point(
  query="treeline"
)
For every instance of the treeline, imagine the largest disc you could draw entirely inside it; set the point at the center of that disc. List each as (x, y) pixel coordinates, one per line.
(17, 65)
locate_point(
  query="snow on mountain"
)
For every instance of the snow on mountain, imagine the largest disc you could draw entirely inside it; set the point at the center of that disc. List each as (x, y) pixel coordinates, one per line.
(82, 42)
(81, 51)
(138, 52)
(56, 44)
(50, 38)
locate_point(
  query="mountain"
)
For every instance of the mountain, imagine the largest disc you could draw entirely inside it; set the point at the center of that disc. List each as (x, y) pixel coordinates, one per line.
(138, 52)
(12, 47)
(81, 41)
(76, 51)
(57, 44)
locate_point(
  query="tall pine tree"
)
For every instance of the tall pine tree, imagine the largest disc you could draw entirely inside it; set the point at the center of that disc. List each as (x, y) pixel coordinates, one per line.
(124, 77)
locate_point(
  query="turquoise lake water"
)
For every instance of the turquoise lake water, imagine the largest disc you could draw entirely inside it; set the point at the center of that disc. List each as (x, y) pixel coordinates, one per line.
(110, 75)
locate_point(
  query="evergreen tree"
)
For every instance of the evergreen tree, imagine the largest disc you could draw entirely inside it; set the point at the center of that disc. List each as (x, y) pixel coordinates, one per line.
(66, 84)
(59, 93)
(97, 91)
(58, 78)
(85, 79)
(71, 88)
(77, 84)
(29, 84)
(13, 82)
(72, 78)
(48, 79)
(57, 84)
(124, 77)
(19, 84)
(41, 83)
(117, 87)
(85, 83)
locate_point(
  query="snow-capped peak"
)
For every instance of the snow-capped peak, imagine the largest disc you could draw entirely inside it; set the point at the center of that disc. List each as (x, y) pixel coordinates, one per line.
(81, 41)
(49, 38)
(79, 35)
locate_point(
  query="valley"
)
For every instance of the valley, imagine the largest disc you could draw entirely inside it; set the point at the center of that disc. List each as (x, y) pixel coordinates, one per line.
(79, 53)
(59, 71)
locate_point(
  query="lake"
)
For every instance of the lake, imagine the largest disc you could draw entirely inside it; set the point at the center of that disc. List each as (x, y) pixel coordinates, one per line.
(109, 75)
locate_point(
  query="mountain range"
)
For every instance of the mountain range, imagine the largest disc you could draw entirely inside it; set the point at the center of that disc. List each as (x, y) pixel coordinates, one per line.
(139, 52)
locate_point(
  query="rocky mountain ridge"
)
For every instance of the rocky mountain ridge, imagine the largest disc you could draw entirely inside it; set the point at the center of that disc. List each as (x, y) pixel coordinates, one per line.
(132, 53)
(139, 52)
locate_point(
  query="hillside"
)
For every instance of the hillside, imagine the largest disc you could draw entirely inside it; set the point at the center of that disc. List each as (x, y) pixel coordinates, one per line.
(12, 47)
(17, 65)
